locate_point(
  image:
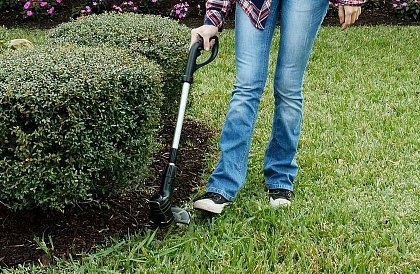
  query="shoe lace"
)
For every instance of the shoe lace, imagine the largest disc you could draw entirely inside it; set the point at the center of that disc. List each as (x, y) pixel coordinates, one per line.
(214, 196)
(281, 193)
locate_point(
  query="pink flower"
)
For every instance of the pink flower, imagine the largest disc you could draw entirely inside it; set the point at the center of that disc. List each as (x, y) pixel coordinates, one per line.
(27, 5)
(58, 1)
(51, 10)
(29, 13)
(117, 8)
(43, 4)
(135, 8)
(88, 9)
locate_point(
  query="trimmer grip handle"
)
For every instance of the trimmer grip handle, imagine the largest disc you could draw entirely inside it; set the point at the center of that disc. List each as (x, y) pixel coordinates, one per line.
(195, 52)
(214, 51)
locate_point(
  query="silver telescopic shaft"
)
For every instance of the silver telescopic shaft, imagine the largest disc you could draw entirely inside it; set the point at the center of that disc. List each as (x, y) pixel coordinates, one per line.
(181, 112)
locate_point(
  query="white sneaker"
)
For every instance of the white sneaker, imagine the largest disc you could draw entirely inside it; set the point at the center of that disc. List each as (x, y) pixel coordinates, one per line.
(211, 202)
(280, 197)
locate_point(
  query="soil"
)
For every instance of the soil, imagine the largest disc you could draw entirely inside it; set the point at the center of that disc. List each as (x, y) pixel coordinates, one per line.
(83, 227)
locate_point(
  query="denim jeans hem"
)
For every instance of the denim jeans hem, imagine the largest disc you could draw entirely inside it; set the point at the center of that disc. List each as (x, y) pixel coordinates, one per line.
(280, 186)
(221, 192)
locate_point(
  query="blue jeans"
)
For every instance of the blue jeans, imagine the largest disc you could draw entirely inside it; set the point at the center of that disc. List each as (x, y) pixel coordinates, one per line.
(300, 21)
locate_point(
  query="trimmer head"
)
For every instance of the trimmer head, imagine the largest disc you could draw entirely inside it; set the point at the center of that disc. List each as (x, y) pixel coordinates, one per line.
(163, 215)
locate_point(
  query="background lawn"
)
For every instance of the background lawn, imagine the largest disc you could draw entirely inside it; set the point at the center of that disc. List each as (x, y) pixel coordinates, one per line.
(34, 35)
(357, 194)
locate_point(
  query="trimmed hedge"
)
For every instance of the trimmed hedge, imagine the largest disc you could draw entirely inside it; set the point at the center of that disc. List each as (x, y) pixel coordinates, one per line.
(160, 39)
(76, 123)
(3, 40)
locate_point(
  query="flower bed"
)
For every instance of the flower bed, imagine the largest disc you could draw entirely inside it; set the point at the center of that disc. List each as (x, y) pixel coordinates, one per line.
(191, 12)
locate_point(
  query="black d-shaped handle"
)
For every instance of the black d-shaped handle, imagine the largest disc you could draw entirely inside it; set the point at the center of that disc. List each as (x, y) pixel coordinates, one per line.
(195, 52)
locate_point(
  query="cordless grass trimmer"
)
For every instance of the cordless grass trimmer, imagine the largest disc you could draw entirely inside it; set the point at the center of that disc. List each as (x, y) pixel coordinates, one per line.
(162, 212)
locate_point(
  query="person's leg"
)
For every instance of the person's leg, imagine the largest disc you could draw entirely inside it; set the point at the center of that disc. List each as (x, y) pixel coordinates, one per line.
(300, 21)
(252, 47)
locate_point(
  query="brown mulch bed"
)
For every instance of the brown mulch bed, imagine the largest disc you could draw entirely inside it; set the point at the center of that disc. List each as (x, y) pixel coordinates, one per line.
(83, 227)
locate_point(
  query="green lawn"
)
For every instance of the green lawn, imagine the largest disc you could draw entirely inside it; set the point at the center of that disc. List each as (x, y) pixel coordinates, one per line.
(357, 194)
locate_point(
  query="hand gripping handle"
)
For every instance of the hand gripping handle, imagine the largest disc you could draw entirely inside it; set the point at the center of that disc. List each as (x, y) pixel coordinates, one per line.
(195, 52)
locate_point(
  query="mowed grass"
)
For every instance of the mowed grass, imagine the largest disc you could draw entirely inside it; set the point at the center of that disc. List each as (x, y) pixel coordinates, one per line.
(357, 193)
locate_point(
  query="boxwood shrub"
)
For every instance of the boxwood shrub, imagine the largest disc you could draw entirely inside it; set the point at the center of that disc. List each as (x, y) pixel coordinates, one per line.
(160, 39)
(76, 123)
(3, 40)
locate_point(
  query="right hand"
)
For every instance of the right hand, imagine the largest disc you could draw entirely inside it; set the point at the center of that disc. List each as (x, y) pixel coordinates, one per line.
(206, 32)
(348, 15)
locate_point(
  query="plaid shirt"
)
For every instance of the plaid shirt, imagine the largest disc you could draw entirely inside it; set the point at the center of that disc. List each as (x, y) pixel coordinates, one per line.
(257, 10)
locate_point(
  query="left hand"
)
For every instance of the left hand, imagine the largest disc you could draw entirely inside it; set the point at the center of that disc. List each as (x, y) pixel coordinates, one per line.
(348, 15)
(206, 32)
